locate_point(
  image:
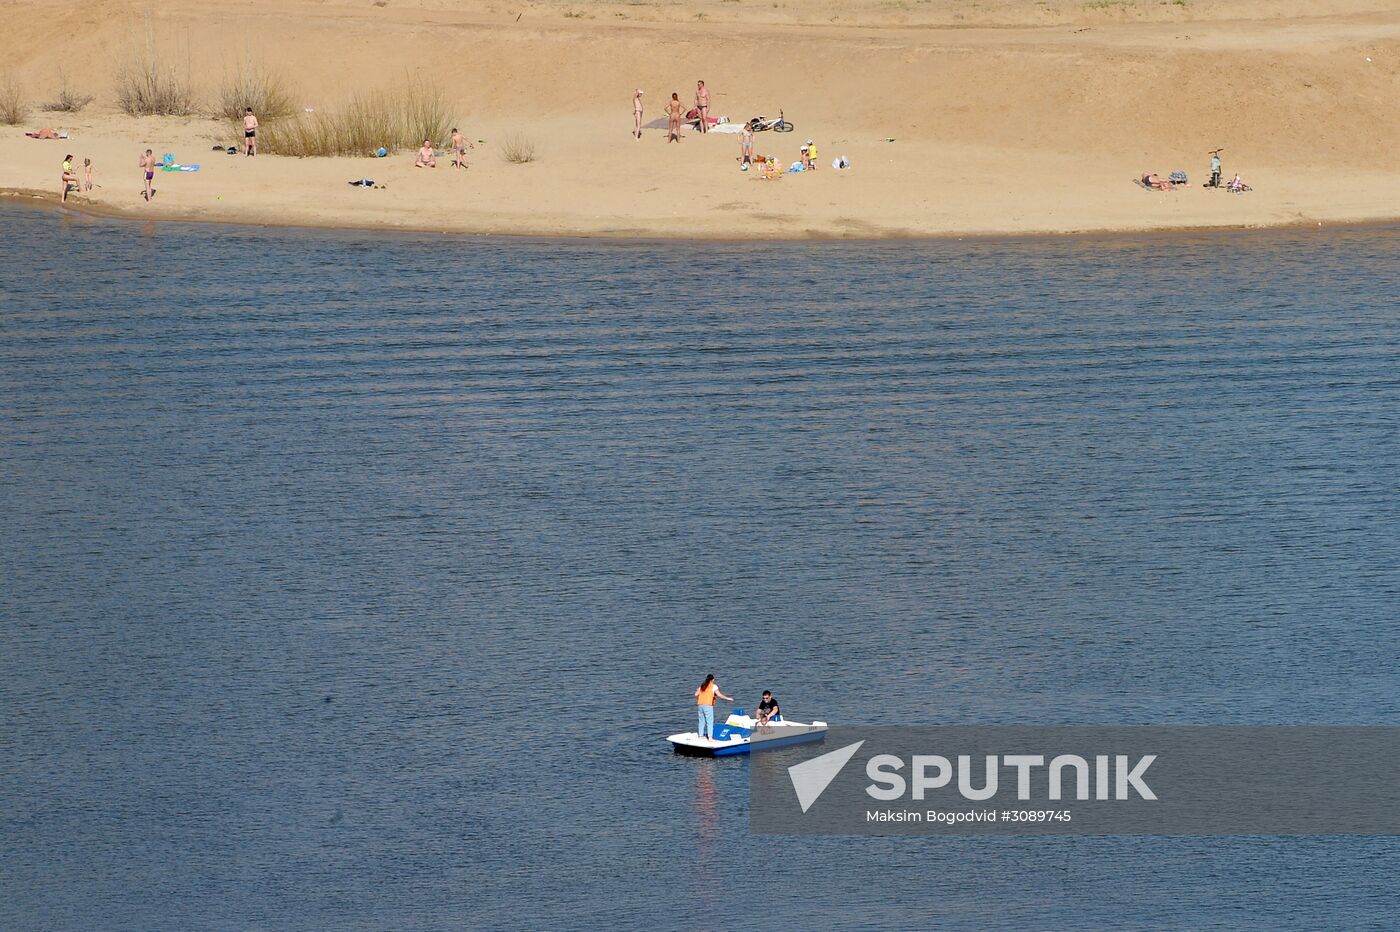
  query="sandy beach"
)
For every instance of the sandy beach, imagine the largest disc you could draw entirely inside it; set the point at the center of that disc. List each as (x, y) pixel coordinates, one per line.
(957, 118)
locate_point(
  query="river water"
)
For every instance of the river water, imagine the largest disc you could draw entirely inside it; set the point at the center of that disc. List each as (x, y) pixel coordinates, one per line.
(353, 581)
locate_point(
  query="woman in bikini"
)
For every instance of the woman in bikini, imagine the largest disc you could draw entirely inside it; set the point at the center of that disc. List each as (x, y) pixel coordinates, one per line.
(70, 177)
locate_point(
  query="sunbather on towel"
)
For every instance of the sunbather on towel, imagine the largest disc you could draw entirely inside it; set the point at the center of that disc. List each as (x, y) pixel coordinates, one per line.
(1154, 180)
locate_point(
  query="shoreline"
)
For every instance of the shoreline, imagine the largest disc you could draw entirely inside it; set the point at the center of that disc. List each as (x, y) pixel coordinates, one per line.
(41, 200)
(973, 129)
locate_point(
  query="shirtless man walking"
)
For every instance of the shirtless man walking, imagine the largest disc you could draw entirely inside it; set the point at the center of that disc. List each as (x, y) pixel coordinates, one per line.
(702, 104)
(250, 132)
(637, 113)
(148, 165)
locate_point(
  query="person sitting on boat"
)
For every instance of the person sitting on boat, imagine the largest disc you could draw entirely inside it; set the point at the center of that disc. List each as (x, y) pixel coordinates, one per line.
(705, 706)
(767, 708)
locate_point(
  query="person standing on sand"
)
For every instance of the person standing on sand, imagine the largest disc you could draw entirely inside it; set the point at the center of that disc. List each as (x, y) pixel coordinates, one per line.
(69, 177)
(637, 113)
(87, 174)
(148, 165)
(673, 118)
(459, 149)
(746, 145)
(250, 132)
(702, 104)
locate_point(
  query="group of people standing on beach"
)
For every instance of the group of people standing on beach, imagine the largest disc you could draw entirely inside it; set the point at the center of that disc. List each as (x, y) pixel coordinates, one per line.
(71, 180)
(675, 110)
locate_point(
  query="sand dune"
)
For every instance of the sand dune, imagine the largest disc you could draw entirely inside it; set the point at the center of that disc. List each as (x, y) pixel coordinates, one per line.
(958, 118)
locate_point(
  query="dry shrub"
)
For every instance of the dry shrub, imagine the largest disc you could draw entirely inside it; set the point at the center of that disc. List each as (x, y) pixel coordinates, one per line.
(150, 84)
(13, 107)
(425, 114)
(67, 100)
(254, 85)
(393, 120)
(518, 148)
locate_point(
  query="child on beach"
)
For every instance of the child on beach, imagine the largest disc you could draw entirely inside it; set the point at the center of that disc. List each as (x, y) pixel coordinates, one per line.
(811, 156)
(250, 132)
(87, 173)
(746, 146)
(148, 165)
(673, 118)
(426, 158)
(459, 149)
(69, 177)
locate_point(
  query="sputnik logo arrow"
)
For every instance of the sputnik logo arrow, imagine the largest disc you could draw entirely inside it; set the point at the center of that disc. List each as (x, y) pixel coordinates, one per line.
(811, 777)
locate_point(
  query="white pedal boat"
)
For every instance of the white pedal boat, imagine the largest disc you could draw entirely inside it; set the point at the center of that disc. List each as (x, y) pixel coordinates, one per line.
(740, 734)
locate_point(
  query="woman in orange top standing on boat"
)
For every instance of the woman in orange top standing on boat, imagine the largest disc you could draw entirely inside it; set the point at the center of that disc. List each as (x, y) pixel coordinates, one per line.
(705, 706)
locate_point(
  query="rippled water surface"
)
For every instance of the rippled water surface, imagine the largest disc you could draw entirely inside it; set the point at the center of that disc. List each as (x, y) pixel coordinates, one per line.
(353, 581)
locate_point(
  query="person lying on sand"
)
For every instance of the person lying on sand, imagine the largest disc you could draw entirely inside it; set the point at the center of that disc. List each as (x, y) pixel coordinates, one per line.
(1154, 180)
(69, 177)
(426, 158)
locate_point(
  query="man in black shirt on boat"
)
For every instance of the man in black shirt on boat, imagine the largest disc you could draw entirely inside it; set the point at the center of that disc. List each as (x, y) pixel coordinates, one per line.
(767, 708)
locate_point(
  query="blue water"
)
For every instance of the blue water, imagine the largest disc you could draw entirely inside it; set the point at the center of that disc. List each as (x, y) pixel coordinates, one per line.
(353, 581)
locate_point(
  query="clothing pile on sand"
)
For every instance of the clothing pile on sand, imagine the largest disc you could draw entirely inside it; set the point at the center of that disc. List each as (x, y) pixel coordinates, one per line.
(168, 164)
